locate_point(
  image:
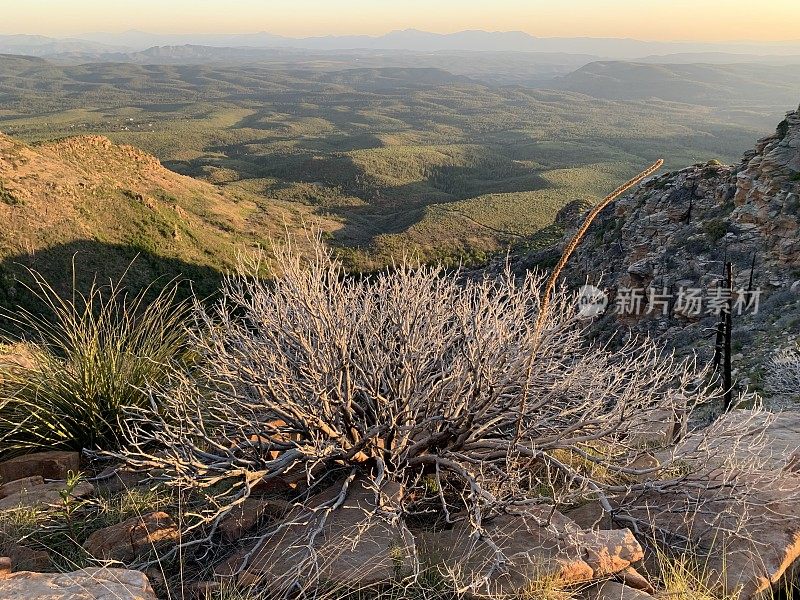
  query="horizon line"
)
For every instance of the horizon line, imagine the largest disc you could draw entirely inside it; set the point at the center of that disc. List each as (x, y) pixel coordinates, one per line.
(411, 29)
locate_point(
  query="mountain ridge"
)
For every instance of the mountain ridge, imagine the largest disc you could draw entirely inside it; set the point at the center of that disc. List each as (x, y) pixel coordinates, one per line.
(413, 39)
(696, 83)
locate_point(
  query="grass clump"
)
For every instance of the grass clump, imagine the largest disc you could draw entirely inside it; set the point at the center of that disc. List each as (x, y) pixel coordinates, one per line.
(17, 524)
(686, 578)
(110, 509)
(96, 355)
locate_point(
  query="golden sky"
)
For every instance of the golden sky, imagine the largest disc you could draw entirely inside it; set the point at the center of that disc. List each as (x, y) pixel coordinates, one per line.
(696, 20)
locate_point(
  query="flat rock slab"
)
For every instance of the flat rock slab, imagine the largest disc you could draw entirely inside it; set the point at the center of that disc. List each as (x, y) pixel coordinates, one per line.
(751, 544)
(49, 465)
(353, 547)
(43, 495)
(20, 485)
(86, 584)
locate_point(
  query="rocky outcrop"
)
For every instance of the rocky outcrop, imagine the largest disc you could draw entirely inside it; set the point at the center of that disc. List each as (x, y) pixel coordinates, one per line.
(674, 234)
(539, 545)
(768, 191)
(670, 239)
(86, 584)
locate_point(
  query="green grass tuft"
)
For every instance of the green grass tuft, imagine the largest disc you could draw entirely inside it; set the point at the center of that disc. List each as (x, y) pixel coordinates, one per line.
(97, 353)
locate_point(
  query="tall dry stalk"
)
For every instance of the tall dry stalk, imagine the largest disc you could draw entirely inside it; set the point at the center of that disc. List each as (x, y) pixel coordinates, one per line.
(576, 239)
(551, 282)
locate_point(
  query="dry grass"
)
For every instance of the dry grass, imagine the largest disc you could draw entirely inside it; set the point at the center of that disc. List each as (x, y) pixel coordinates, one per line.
(686, 577)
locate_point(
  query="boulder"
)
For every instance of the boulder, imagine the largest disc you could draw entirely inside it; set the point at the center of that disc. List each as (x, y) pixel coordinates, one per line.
(354, 546)
(86, 584)
(49, 465)
(24, 558)
(535, 545)
(127, 540)
(43, 495)
(608, 551)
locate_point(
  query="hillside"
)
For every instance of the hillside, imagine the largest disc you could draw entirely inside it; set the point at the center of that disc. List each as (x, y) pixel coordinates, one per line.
(87, 200)
(404, 155)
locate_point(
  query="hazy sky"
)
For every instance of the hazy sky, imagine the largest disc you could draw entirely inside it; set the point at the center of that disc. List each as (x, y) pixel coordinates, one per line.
(757, 20)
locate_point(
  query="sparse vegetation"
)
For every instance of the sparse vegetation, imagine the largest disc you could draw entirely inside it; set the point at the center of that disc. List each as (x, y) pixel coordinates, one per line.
(61, 530)
(783, 373)
(422, 399)
(715, 230)
(449, 170)
(685, 577)
(7, 197)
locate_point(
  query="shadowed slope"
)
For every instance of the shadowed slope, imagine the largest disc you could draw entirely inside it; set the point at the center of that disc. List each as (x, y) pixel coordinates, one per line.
(104, 204)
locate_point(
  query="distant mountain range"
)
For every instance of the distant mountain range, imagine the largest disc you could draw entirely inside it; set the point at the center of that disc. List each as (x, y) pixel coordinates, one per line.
(410, 39)
(39, 45)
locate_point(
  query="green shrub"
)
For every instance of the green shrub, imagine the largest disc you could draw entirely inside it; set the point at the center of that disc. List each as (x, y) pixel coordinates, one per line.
(715, 230)
(97, 353)
(6, 197)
